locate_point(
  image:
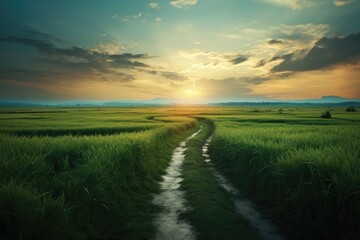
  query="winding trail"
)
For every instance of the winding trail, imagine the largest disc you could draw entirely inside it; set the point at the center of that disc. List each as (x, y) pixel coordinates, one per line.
(244, 207)
(172, 200)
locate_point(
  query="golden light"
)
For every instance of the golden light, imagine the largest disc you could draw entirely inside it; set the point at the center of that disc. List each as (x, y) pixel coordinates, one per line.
(191, 92)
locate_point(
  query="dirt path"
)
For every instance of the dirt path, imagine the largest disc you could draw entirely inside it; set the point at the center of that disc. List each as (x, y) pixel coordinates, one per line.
(244, 207)
(172, 201)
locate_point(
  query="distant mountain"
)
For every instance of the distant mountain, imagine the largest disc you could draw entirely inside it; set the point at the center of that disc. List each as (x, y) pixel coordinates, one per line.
(253, 101)
(329, 99)
(335, 99)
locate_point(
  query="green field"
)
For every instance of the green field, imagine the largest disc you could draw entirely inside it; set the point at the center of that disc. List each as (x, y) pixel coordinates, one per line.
(304, 171)
(90, 173)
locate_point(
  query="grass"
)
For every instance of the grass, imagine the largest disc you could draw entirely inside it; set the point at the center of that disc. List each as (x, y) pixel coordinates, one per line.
(84, 187)
(305, 175)
(213, 212)
(89, 173)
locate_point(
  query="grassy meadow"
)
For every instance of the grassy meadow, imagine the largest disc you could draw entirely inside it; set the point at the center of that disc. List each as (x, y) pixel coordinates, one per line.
(89, 173)
(83, 173)
(302, 170)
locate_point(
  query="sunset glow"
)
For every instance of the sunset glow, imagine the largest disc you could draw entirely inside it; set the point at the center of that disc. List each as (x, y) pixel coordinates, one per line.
(223, 50)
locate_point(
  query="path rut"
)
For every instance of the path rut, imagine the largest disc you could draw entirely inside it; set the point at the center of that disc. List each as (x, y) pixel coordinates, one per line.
(244, 207)
(172, 200)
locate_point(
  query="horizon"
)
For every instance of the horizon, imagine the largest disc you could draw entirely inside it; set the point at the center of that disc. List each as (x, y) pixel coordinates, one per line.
(173, 101)
(193, 51)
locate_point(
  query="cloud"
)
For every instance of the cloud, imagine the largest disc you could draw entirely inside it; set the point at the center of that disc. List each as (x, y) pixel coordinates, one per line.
(296, 39)
(239, 59)
(340, 3)
(184, 4)
(174, 76)
(109, 48)
(300, 4)
(135, 16)
(304, 32)
(275, 41)
(168, 75)
(261, 63)
(154, 5)
(241, 33)
(158, 19)
(100, 60)
(325, 53)
(209, 58)
(293, 4)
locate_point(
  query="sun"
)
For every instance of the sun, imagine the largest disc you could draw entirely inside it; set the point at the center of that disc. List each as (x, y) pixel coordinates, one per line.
(191, 92)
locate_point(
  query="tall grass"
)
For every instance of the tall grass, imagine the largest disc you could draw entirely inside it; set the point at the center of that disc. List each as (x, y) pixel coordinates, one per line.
(83, 187)
(307, 177)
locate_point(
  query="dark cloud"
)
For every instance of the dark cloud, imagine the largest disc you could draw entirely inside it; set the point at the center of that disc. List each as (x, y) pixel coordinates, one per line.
(43, 46)
(129, 56)
(239, 59)
(275, 41)
(285, 57)
(80, 59)
(167, 74)
(325, 53)
(261, 63)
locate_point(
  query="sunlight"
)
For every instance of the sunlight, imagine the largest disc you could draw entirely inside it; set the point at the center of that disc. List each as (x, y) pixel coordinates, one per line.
(191, 92)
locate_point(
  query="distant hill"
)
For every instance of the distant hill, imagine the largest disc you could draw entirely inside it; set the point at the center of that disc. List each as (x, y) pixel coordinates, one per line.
(328, 99)
(325, 100)
(287, 104)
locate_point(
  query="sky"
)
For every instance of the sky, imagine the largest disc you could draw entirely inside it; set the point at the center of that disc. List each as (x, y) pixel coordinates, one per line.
(194, 50)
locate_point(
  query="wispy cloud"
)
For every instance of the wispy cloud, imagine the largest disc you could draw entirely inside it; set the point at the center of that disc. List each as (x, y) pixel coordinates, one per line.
(184, 4)
(135, 16)
(302, 31)
(294, 4)
(340, 3)
(154, 5)
(213, 59)
(109, 48)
